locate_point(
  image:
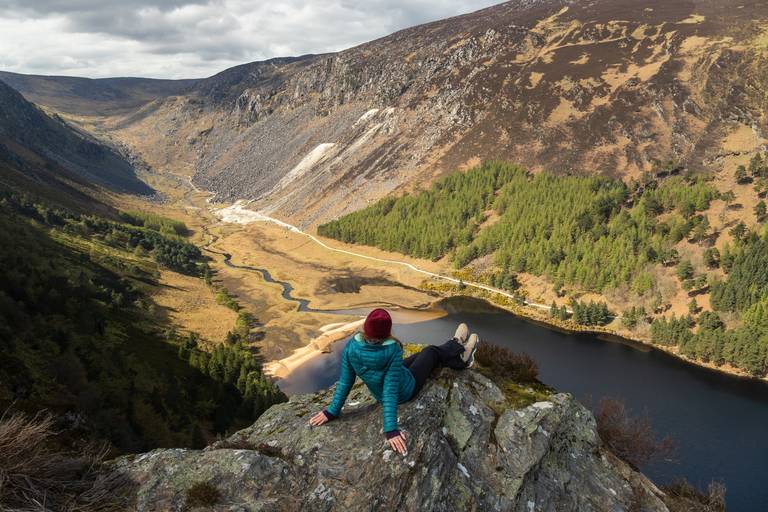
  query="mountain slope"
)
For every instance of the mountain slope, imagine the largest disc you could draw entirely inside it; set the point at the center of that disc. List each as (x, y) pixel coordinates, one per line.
(614, 86)
(45, 149)
(103, 96)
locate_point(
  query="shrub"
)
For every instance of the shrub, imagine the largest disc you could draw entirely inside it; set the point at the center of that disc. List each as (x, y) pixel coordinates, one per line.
(520, 367)
(226, 299)
(410, 349)
(684, 497)
(202, 494)
(631, 439)
(32, 472)
(155, 222)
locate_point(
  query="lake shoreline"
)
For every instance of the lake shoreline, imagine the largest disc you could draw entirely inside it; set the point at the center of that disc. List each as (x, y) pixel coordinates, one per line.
(539, 318)
(332, 333)
(329, 334)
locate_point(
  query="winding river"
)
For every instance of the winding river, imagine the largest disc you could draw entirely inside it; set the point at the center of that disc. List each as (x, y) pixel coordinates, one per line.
(719, 422)
(287, 293)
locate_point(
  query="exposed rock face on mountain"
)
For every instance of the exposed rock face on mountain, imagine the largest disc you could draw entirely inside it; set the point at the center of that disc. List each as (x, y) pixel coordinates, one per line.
(469, 450)
(611, 86)
(46, 149)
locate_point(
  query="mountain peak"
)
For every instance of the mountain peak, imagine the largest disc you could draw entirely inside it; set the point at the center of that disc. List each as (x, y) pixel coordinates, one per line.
(470, 449)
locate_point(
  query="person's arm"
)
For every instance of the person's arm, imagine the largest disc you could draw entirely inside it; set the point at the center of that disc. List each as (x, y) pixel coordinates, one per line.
(391, 394)
(343, 387)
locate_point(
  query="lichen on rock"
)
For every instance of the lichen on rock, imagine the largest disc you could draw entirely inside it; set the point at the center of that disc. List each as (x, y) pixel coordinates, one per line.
(468, 450)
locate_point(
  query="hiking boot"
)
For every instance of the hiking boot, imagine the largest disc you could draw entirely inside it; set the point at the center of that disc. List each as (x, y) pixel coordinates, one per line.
(462, 332)
(469, 350)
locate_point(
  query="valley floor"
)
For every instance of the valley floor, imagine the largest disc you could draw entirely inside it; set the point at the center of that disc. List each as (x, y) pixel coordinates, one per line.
(329, 281)
(331, 275)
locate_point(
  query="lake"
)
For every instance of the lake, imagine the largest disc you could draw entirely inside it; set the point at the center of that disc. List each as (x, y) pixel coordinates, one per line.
(719, 422)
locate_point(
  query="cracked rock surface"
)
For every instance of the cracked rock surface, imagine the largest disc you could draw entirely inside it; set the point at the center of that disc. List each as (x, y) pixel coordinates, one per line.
(468, 450)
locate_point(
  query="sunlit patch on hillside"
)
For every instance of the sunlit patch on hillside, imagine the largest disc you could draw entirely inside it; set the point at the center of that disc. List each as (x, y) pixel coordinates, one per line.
(693, 19)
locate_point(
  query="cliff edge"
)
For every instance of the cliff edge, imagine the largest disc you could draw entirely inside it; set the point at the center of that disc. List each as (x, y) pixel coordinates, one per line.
(472, 446)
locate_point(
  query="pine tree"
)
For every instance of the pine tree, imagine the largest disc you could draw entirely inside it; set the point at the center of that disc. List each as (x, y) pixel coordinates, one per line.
(728, 197)
(701, 230)
(756, 166)
(741, 175)
(684, 270)
(738, 231)
(712, 257)
(760, 211)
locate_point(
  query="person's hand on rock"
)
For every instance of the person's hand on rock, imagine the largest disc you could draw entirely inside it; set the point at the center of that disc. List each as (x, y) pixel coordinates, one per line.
(318, 419)
(397, 443)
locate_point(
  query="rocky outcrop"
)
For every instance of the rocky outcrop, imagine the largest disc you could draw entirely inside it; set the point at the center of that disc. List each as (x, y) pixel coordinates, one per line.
(470, 449)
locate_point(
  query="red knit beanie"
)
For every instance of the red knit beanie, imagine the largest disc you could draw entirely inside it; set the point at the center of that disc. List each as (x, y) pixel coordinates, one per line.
(378, 325)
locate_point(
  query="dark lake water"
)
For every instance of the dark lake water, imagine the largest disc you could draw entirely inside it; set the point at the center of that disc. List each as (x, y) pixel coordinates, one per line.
(719, 423)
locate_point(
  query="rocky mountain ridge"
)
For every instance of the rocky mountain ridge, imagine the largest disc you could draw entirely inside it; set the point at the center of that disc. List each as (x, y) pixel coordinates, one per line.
(470, 449)
(616, 87)
(611, 87)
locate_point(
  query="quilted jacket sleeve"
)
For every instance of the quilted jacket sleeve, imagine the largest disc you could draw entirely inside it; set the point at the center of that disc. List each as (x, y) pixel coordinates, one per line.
(346, 380)
(391, 392)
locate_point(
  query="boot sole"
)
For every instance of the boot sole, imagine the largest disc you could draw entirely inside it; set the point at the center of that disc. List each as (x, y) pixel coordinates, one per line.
(471, 358)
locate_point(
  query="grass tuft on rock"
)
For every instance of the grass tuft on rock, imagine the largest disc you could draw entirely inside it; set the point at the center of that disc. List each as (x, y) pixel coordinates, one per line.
(202, 494)
(516, 374)
(522, 395)
(682, 496)
(411, 348)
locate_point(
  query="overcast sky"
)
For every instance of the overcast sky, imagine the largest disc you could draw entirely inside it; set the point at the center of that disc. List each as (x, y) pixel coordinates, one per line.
(194, 38)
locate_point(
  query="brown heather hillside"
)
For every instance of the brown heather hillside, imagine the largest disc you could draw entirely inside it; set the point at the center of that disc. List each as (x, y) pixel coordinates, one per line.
(610, 86)
(102, 96)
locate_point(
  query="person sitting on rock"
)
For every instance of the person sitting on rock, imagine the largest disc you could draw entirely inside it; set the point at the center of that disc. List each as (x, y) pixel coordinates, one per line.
(377, 358)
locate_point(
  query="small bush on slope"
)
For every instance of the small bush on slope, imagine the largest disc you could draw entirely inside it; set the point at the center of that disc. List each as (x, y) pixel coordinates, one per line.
(631, 439)
(684, 497)
(504, 362)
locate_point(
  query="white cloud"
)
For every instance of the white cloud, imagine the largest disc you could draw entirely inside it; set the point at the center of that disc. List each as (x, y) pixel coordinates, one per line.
(188, 38)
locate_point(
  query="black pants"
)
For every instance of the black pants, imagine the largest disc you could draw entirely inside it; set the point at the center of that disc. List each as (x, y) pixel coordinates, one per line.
(423, 363)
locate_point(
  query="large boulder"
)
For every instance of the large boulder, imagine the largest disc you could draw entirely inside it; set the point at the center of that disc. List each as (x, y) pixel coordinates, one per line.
(471, 445)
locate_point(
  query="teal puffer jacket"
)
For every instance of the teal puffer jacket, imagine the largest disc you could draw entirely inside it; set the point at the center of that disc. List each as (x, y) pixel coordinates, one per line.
(381, 368)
